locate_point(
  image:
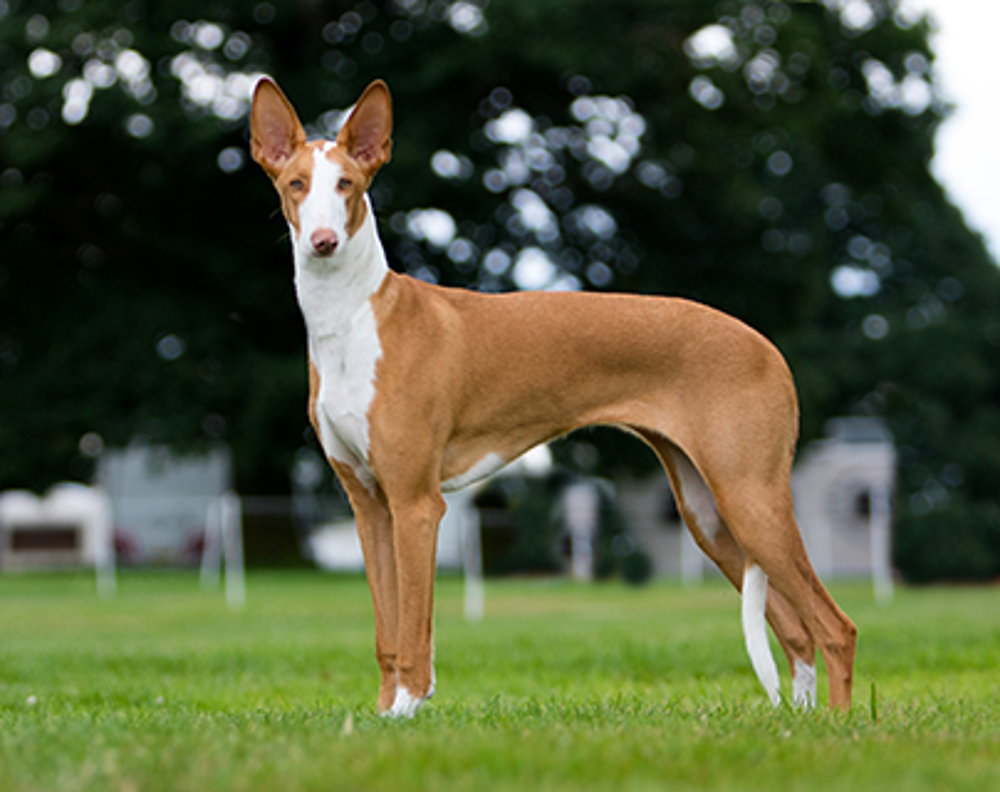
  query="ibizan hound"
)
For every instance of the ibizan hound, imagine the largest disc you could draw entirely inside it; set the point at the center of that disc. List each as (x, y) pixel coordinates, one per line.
(416, 389)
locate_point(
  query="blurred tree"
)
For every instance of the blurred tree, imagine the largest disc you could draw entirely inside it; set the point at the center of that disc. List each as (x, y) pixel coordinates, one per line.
(770, 159)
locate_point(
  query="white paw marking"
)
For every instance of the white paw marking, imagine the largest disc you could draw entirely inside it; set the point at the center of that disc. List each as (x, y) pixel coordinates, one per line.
(804, 685)
(405, 705)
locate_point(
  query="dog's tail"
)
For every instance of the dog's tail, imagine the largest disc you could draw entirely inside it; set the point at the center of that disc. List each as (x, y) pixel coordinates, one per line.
(755, 630)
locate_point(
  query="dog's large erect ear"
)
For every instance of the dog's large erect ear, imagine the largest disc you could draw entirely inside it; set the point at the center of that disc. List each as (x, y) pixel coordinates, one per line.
(366, 136)
(275, 131)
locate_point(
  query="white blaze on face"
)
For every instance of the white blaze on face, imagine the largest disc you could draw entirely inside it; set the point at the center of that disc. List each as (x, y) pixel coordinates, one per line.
(324, 207)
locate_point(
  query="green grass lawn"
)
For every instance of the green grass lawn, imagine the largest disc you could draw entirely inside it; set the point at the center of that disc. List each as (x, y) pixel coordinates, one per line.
(561, 687)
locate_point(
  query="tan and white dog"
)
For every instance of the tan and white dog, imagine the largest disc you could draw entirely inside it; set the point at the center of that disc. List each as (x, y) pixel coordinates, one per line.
(415, 389)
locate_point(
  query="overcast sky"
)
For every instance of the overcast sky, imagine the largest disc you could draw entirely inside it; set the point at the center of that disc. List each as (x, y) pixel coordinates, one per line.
(967, 162)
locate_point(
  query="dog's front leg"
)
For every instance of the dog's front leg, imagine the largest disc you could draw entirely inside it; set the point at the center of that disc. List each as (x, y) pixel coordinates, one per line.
(374, 521)
(415, 527)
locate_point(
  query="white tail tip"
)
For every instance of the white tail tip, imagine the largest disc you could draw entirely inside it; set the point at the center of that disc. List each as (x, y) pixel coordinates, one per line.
(755, 631)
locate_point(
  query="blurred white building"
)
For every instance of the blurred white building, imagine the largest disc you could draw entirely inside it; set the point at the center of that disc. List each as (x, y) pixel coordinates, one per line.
(843, 488)
(70, 527)
(161, 501)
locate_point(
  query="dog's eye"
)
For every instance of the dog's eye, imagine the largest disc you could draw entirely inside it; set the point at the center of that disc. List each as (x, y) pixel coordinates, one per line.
(297, 184)
(344, 185)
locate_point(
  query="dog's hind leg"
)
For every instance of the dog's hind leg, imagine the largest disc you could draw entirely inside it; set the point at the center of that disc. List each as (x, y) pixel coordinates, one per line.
(795, 640)
(798, 645)
(697, 505)
(763, 524)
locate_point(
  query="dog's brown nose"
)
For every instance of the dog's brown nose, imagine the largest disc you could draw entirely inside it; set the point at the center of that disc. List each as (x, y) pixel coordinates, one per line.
(324, 241)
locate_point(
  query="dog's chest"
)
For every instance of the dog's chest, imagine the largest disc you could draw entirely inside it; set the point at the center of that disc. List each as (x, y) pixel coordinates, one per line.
(345, 363)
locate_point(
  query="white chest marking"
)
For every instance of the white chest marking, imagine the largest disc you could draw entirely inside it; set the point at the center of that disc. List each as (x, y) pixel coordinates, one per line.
(335, 294)
(346, 366)
(485, 467)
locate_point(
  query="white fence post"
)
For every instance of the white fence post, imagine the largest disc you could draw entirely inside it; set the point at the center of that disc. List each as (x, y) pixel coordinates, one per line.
(211, 552)
(104, 551)
(463, 513)
(231, 521)
(692, 560)
(880, 518)
(581, 513)
(224, 547)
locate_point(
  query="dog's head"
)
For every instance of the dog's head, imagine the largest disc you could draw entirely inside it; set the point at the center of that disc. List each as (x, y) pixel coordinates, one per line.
(322, 183)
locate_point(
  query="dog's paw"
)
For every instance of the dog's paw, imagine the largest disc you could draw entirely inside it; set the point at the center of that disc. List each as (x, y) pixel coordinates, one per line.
(804, 685)
(405, 705)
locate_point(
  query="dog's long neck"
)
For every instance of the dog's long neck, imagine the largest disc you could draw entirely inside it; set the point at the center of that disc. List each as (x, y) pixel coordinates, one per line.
(332, 290)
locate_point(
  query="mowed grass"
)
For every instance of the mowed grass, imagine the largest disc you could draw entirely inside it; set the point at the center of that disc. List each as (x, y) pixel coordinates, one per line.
(561, 687)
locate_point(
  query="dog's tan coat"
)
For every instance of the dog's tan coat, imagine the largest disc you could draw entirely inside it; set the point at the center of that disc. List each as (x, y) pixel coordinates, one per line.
(463, 376)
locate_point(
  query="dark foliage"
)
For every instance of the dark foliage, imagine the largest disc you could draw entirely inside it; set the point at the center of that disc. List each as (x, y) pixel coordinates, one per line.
(775, 167)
